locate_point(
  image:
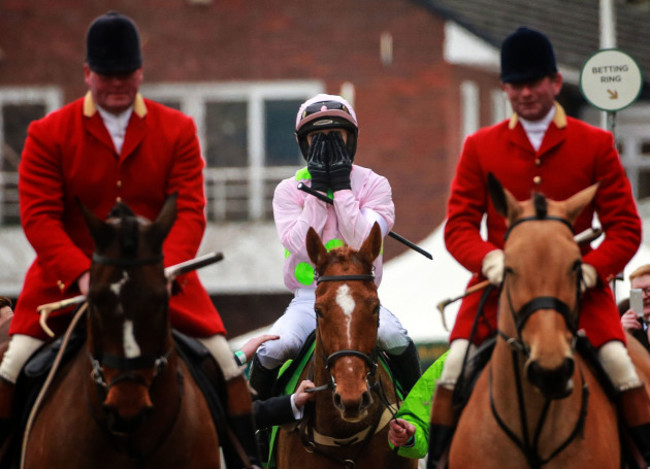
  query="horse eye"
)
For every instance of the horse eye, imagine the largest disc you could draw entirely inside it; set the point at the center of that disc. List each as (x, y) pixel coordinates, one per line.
(509, 270)
(318, 312)
(576, 265)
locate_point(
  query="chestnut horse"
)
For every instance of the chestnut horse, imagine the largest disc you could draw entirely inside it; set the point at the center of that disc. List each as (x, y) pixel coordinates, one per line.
(348, 426)
(126, 399)
(537, 403)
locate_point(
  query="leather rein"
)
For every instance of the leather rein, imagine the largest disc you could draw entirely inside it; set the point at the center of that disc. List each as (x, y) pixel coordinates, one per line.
(519, 348)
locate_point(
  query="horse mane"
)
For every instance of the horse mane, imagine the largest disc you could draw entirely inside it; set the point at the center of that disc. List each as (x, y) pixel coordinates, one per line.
(129, 228)
(540, 204)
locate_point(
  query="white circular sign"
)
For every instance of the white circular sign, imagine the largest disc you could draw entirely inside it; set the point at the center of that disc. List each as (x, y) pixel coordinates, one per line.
(610, 80)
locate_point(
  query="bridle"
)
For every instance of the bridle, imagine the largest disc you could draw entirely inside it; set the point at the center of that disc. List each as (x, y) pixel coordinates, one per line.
(518, 347)
(371, 360)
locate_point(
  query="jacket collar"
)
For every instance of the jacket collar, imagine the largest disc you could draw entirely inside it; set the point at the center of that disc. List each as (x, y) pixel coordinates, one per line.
(90, 108)
(559, 120)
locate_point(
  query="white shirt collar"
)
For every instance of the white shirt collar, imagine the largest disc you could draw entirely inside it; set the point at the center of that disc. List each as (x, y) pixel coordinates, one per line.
(536, 129)
(116, 125)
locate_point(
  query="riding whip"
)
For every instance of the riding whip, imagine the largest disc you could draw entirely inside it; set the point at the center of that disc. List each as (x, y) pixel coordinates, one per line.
(392, 234)
(171, 273)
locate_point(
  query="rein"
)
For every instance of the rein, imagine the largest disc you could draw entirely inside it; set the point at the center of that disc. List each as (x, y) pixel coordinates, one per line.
(518, 347)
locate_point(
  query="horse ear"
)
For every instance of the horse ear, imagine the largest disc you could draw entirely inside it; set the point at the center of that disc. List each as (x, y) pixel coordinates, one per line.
(504, 202)
(372, 244)
(315, 248)
(165, 220)
(497, 194)
(100, 231)
(576, 203)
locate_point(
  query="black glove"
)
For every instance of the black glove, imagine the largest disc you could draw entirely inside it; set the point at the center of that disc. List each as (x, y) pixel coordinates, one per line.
(340, 162)
(317, 163)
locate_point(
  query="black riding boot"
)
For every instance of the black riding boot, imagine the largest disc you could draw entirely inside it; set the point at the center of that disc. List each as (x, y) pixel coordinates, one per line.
(443, 425)
(406, 367)
(634, 405)
(6, 405)
(262, 379)
(239, 411)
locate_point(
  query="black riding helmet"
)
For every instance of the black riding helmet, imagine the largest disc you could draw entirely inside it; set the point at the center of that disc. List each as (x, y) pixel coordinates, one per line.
(326, 111)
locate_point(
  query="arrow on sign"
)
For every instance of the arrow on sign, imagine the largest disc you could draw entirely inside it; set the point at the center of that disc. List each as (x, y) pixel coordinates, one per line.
(613, 94)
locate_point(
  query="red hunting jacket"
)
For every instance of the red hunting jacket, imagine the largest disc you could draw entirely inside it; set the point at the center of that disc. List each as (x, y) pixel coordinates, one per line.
(69, 154)
(573, 156)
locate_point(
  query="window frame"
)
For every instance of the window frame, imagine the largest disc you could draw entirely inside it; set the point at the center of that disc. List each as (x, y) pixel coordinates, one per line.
(192, 98)
(49, 96)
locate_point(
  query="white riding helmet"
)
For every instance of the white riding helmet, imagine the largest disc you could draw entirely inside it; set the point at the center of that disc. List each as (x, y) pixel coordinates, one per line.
(326, 111)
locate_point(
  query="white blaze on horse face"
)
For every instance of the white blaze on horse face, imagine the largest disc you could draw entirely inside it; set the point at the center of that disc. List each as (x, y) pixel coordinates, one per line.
(116, 287)
(346, 303)
(131, 347)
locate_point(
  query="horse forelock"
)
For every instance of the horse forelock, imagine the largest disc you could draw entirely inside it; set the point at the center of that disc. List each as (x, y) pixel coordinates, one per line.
(541, 205)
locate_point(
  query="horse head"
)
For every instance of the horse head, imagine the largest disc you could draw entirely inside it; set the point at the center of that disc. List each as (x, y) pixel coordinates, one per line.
(128, 327)
(539, 303)
(347, 312)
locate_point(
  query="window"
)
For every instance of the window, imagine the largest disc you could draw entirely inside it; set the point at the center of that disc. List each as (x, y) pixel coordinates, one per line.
(246, 132)
(18, 107)
(634, 146)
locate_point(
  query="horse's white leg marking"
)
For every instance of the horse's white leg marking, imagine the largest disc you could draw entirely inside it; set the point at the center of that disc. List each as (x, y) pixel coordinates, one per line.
(131, 347)
(346, 303)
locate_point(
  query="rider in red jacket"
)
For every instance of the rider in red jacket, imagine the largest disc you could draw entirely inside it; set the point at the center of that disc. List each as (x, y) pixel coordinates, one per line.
(541, 149)
(108, 146)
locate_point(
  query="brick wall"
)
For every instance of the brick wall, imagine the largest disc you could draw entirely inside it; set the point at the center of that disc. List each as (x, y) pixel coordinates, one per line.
(408, 110)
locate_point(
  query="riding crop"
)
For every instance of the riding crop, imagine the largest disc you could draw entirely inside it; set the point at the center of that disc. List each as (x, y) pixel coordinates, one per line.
(586, 236)
(171, 273)
(392, 234)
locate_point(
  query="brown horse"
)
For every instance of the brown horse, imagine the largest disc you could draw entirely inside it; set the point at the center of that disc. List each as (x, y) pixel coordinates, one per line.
(537, 403)
(348, 427)
(126, 400)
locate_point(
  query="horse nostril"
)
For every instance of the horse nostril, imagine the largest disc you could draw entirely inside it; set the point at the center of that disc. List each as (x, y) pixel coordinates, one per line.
(366, 400)
(337, 400)
(553, 383)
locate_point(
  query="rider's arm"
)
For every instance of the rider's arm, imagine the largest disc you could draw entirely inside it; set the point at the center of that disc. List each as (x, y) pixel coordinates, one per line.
(416, 409)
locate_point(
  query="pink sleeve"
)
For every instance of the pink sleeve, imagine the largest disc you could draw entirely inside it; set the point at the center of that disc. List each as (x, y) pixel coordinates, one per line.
(294, 212)
(356, 215)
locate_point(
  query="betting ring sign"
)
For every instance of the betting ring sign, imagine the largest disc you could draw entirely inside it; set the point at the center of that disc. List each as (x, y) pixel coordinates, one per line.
(610, 80)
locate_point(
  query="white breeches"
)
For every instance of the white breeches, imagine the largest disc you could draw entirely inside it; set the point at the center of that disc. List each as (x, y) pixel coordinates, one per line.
(299, 320)
(618, 365)
(454, 363)
(220, 350)
(21, 347)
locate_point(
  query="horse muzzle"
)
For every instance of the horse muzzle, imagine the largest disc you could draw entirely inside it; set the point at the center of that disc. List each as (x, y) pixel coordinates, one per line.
(352, 409)
(556, 383)
(126, 406)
